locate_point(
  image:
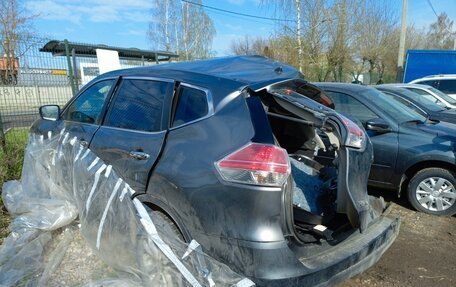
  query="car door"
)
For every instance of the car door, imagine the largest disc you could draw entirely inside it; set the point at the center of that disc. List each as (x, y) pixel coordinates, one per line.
(385, 144)
(134, 129)
(82, 117)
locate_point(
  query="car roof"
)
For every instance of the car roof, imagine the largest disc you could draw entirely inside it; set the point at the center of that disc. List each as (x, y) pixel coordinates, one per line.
(243, 70)
(342, 87)
(435, 77)
(402, 85)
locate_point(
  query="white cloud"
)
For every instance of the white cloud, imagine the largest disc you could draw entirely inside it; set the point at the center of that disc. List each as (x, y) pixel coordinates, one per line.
(92, 10)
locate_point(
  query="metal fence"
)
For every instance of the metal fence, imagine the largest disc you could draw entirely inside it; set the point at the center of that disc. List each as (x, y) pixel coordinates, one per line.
(29, 79)
(32, 75)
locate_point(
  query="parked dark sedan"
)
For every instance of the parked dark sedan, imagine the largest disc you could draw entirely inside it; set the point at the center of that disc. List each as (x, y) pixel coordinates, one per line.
(410, 151)
(419, 103)
(224, 149)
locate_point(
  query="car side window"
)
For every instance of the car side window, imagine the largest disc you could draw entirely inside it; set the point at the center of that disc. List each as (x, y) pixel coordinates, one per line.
(425, 95)
(138, 105)
(191, 105)
(448, 86)
(432, 83)
(348, 105)
(88, 107)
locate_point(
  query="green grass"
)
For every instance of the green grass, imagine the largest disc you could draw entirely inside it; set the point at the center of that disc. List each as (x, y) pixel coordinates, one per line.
(11, 159)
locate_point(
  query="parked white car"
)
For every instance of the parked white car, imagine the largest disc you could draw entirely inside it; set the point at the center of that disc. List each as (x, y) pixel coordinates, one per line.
(430, 93)
(445, 83)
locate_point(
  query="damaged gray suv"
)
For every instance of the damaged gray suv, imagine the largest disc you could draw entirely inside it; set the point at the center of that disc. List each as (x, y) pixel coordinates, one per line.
(225, 150)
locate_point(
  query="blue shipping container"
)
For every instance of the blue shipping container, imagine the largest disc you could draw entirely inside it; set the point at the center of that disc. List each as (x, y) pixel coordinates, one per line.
(422, 63)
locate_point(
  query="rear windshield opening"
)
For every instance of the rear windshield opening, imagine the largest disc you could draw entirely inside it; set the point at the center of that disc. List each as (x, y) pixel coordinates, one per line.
(312, 151)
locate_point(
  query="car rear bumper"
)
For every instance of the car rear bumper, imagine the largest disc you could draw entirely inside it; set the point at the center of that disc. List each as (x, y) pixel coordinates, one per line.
(280, 267)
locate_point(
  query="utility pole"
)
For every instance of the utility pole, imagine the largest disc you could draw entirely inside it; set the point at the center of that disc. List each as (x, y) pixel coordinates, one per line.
(400, 57)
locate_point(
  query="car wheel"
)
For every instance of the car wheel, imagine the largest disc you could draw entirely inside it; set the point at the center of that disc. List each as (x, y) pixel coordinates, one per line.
(155, 268)
(433, 191)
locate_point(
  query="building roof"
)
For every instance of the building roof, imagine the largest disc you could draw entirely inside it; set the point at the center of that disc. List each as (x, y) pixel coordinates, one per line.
(57, 48)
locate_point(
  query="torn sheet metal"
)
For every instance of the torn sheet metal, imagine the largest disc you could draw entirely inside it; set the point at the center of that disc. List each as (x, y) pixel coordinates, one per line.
(66, 191)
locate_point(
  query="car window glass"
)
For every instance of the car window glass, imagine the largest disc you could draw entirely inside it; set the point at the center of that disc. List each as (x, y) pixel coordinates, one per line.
(399, 112)
(426, 100)
(444, 96)
(448, 86)
(138, 105)
(87, 108)
(432, 83)
(348, 105)
(406, 103)
(191, 105)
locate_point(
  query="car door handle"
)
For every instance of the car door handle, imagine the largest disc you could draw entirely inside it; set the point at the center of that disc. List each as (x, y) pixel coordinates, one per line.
(84, 143)
(139, 155)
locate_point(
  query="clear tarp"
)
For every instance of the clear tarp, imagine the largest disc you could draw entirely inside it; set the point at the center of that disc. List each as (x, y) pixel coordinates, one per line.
(75, 224)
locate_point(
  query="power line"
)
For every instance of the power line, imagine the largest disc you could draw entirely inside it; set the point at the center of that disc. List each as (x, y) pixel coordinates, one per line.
(236, 13)
(432, 7)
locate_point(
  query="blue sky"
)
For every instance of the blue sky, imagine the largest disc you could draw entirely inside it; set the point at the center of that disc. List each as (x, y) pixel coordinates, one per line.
(124, 23)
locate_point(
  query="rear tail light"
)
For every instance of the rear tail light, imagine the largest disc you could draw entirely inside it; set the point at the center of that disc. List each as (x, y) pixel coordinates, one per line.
(259, 164)
(356, 136)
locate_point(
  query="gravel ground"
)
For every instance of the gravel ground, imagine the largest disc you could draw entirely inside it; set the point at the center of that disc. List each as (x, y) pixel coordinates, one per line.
(424, 254)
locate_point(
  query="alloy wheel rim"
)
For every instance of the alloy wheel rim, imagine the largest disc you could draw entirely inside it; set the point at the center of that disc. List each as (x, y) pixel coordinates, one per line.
(436, 194)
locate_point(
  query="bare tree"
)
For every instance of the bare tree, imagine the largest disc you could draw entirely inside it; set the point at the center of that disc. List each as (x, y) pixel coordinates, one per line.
(374, 25)
(441, 34)
(182, 27)
(15, 27)
(251, 46)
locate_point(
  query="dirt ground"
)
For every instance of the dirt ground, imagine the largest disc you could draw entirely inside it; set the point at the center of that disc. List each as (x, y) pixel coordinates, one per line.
(424, 254)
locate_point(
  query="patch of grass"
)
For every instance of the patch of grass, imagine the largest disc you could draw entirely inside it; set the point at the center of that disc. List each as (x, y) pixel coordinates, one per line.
(11, 159)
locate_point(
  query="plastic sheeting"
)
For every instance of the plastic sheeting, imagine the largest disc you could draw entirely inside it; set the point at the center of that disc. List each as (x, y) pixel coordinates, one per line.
(67, 191)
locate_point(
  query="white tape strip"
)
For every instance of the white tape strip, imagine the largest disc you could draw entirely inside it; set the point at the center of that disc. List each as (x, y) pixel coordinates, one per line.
(85, 154)
(65, 138)
(124, 191)
(191, 247)
(94, 186)
(49, 134)
(150, 229)
(94, 162)
(73, 141)
(78, 154)
(209, 279)
(108, 171)
(41, 138)
(105, 212)
(245, 283)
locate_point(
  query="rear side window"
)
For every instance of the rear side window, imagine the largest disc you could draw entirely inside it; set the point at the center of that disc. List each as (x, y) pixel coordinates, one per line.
(448, 86)
(191, 105)
(348, 105)
(138, 105)
(432, 83)
(425, 95)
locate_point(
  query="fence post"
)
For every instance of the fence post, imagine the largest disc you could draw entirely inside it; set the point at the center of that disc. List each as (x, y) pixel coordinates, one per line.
(2, 133)
(70, 68)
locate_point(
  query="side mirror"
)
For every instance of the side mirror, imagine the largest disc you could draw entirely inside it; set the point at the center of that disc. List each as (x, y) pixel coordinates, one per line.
(378, 125)
(50, 112)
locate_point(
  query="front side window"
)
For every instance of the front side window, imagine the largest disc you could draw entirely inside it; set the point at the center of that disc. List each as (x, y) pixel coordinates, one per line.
(88, 107)
(138, 105)
(191, 105)
(348, 105)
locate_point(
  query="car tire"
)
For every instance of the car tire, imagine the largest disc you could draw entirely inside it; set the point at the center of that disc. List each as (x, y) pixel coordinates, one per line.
(433, 191)
(155, 268)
